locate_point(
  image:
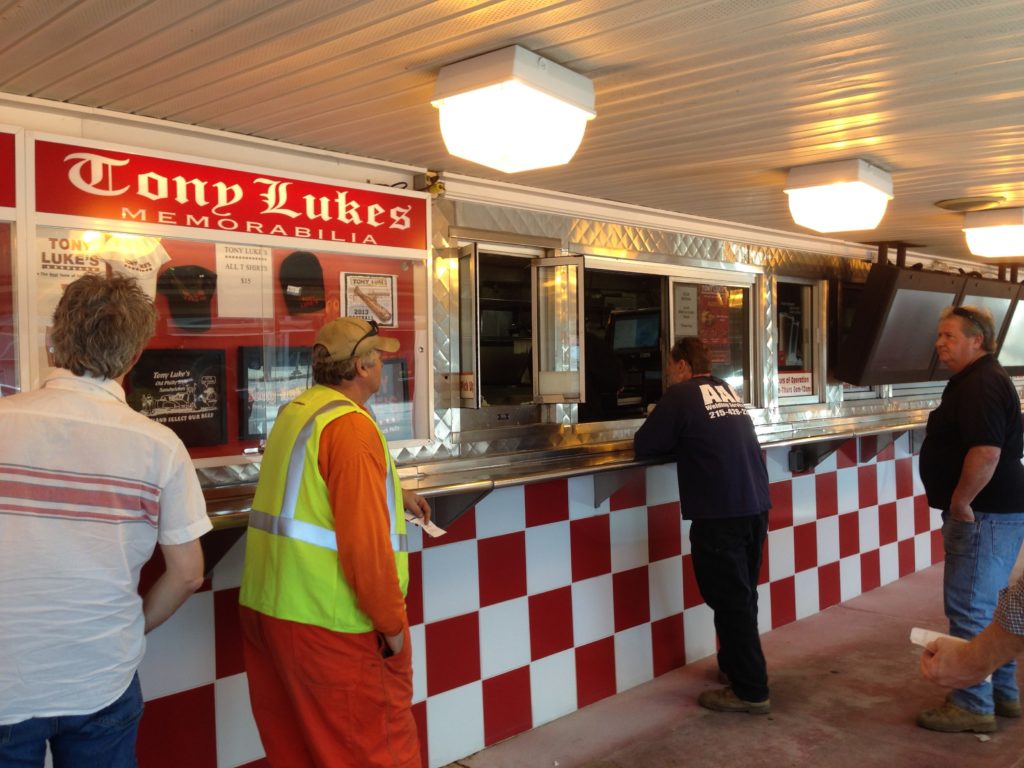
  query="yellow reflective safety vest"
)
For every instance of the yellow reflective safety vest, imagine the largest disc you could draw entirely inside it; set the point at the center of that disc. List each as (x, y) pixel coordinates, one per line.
(291, 560)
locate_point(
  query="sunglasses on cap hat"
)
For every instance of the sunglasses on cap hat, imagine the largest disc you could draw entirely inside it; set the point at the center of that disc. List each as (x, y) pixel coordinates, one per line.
(971, 317)
(374, 331)
(348, 337)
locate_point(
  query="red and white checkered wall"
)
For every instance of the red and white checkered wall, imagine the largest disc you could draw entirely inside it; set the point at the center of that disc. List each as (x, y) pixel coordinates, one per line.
(536, 603)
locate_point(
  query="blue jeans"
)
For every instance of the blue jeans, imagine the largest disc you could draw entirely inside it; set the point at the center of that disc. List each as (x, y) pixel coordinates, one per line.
(104, 739)
(979, 558)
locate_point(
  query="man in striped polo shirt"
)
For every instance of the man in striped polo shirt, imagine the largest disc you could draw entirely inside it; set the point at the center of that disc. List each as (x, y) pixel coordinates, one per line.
(88, 488)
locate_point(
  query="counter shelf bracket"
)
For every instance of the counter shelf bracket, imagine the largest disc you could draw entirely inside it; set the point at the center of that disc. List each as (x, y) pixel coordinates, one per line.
(608, 483)
(803, 458)
(916, 437)
(449, 507)
(870, 446)
(216, 544)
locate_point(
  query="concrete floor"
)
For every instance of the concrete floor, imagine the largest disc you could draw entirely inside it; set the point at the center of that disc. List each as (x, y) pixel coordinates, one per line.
(845, 691)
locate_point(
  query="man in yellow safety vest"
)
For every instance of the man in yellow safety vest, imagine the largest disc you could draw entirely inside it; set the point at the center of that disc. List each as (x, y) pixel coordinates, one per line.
(325, 633)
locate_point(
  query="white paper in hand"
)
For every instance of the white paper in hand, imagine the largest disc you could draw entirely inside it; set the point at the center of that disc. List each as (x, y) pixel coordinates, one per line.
(920, 636)
(430, 529)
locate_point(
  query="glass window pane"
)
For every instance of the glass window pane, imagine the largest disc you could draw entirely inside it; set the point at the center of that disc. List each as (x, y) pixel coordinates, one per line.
(1012, 352)
(622, 344)
(505, 330)
(9, 379)
(795, 330)
(719, 316)
(558, 338)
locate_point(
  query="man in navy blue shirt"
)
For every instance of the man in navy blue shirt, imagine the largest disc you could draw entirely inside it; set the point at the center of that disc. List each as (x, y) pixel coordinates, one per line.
(723, 490)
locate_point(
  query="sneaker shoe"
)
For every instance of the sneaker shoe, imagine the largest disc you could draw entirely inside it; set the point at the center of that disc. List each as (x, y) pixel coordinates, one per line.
(725, 700)
(949, 718)
(1007, 707)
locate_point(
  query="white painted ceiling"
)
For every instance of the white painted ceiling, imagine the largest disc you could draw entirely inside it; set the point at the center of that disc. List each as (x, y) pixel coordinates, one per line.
(703, 105)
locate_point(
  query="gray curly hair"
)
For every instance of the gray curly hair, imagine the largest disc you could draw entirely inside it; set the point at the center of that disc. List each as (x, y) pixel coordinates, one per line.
(100, 324)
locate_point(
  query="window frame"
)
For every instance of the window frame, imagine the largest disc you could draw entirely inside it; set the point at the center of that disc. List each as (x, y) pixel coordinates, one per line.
(818, 343)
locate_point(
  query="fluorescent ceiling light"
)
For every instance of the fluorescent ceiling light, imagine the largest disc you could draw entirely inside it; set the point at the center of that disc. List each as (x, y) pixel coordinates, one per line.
(995, 232)
(843, 196)
(513, 110)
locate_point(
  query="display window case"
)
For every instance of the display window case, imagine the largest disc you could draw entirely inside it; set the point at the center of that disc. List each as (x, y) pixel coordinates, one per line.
(10, 380)
(244, 268)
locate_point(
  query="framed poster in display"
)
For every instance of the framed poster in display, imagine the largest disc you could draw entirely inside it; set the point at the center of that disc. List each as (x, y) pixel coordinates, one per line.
(268, 377)
(370, 297)
(184, 389)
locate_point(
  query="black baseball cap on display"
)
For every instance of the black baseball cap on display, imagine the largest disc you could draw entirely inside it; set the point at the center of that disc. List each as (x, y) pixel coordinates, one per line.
(302, 283)
(189, 291)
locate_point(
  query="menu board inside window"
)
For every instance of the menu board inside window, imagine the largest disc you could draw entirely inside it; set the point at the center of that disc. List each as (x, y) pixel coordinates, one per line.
(236, 324)
(720, 316)
(8, 324)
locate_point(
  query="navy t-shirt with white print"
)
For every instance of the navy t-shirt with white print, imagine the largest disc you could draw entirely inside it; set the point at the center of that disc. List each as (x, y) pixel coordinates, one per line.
(721, 468)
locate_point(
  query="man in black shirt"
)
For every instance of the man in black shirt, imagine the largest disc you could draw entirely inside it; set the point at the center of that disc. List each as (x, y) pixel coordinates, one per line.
(971, 469)
(723, 490)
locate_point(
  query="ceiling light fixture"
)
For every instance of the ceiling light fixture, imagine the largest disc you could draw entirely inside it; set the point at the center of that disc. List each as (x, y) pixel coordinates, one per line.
(842, 196)
(513, 110)
(995, 232)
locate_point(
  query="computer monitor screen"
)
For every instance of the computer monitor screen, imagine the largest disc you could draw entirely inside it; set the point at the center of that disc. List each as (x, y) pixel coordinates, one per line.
(640, 331)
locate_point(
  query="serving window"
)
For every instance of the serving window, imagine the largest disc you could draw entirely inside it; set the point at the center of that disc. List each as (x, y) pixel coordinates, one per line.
(623, 348)
(720, 315)
(635, 311)
(235, 327)
(496, 327)
(519, 325)
(798, 328)
(843, 299)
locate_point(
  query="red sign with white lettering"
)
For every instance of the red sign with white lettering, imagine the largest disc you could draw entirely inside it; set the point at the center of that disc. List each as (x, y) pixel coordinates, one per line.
(111, 184)
(7, 170)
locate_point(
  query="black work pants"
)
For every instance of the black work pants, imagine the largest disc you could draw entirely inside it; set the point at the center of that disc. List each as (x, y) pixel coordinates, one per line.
(726, 561)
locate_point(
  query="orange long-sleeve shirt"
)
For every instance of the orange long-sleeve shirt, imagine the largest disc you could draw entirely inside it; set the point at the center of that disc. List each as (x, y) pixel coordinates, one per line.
(352, 464)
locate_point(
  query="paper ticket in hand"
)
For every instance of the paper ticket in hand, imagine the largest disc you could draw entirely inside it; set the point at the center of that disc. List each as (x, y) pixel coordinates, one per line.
(922, 637)
(430, 529)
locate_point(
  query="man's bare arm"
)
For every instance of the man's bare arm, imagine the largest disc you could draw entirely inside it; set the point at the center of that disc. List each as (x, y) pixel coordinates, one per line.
(978, 467)
(182, 577)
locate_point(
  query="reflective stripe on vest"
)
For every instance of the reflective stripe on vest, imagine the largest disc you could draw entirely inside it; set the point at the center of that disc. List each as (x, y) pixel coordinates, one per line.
(285, 524)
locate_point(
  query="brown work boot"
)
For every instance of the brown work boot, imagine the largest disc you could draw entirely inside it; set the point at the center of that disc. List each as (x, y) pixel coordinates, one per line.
(949, 718)
(726, 700)
(1007, 707)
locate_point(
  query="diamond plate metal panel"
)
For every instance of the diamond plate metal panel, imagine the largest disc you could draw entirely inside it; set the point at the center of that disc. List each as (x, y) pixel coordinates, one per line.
(636, 240)
(768, 358)
(497, 218)
(834, 398)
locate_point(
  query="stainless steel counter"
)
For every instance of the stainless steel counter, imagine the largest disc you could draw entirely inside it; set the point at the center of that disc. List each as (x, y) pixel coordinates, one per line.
(453, 485)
